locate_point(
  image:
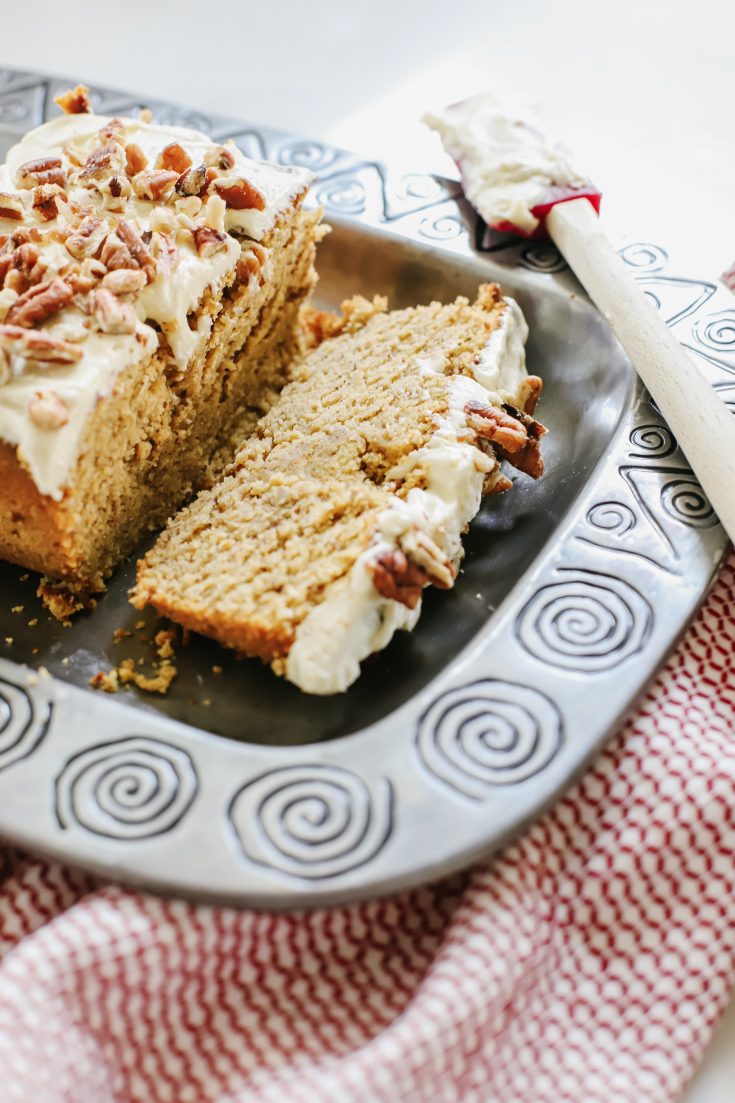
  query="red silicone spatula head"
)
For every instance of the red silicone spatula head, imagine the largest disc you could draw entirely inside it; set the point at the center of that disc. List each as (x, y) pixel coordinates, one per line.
(510, 173)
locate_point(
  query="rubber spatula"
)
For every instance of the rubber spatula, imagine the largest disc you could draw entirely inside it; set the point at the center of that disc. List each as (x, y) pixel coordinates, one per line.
(523, 184)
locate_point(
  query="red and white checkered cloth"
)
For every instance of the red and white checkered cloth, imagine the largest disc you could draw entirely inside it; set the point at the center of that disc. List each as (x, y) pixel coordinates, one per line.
(589, 962)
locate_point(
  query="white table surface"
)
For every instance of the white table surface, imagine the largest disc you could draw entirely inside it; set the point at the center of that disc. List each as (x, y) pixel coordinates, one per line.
(642, 90)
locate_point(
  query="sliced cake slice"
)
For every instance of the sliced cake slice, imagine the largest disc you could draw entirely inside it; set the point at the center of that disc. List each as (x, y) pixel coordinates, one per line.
(355, 489)
(151, 283)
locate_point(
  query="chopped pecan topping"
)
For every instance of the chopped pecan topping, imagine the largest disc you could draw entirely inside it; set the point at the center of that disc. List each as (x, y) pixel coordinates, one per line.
(86, 240)
(188, 207)
(47, 410)
(113, 131)
(39, 303)
(124, 281)
(164, 251)
(17, 281)
(397, 578)
(514, 434)
(239, 194)
(115, 254)
(492, 423)
(497, 484)
(164, 220)
(11, 206)
(44, 170)
(173, 157)
(220, 158)
(106, 160)
(7, 298)
(214, 213)
(34, 344)
(137, 249)
(532, 392)
(26, 257)
(46, 199)
(119, 187)
(192, 182)
(76, 101)
(424, 553)
(112, 315)
(208, 241)
(155, 185)
(135, 159)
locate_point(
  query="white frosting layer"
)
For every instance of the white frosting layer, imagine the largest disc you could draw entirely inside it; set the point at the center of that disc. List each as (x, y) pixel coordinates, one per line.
(50, 454)
(507, 166)
(355, 620)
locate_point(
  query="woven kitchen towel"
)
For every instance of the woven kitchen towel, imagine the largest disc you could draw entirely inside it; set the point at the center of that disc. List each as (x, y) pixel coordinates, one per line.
(589, 962)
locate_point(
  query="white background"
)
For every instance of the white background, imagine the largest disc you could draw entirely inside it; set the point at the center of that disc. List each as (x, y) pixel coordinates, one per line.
(642, 90)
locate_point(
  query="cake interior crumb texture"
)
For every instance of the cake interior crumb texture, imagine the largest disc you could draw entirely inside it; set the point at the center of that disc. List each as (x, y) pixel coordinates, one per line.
(305, 513)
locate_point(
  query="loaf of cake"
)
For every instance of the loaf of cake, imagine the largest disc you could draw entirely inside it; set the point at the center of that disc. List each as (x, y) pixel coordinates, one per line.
(151, 285)
(354, 490)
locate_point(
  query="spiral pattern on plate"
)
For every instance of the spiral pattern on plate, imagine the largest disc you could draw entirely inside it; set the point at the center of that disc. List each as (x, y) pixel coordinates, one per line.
(312, 821)
(343, 195)
(645, 257)
(612, 518)
(308, 154)
(718, 332)
(653, 441)
(542, 258)
(585, 622)
(443, 228)
(133, 788)
(685, 501)
(478, 736)
(415, 185)
(23, 722)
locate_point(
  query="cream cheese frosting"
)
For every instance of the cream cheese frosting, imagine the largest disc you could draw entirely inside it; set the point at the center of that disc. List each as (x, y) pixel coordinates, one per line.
(355, 620)
(507, 166)
(50, 454)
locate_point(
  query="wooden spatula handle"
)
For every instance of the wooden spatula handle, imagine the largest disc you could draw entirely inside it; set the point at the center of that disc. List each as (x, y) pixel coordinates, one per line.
(700, 421)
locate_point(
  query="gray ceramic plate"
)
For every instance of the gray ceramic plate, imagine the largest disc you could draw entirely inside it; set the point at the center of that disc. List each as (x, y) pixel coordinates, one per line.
(238, 788)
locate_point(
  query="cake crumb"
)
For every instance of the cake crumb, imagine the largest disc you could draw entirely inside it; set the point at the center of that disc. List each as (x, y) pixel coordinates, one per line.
(107, 681)
(8, 640)
(158, 682)
(60, 601)
(17, 609)
(121, 634)
(139, 624)
(32, 623)
(24, 577)
(216, 669)
(206, 702)
(164, 643)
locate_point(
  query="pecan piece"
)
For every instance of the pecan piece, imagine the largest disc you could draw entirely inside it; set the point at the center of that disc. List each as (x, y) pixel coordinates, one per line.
(112, 315)
(11, 206)
(47, 410)
(531, 393)
(156, 185)
(527, 459)
(87, 238)
(137, 248)
(106, 160)
(36, 345)
(46, 198)
(75, 101)
(165, 252)
(192, 182)
(113, 131)
(39, 303)
(252, 263)
(115, 254)
(43, 170)
(220, 158)
(424, 553)
(124, 281)
(208, 241)
(214, 213)
(239, 194)
(135, 159)
(173, 157)
(397, 578)
(493, 424)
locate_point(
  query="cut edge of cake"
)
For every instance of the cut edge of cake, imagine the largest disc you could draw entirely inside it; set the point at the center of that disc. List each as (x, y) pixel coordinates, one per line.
(482, 401)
